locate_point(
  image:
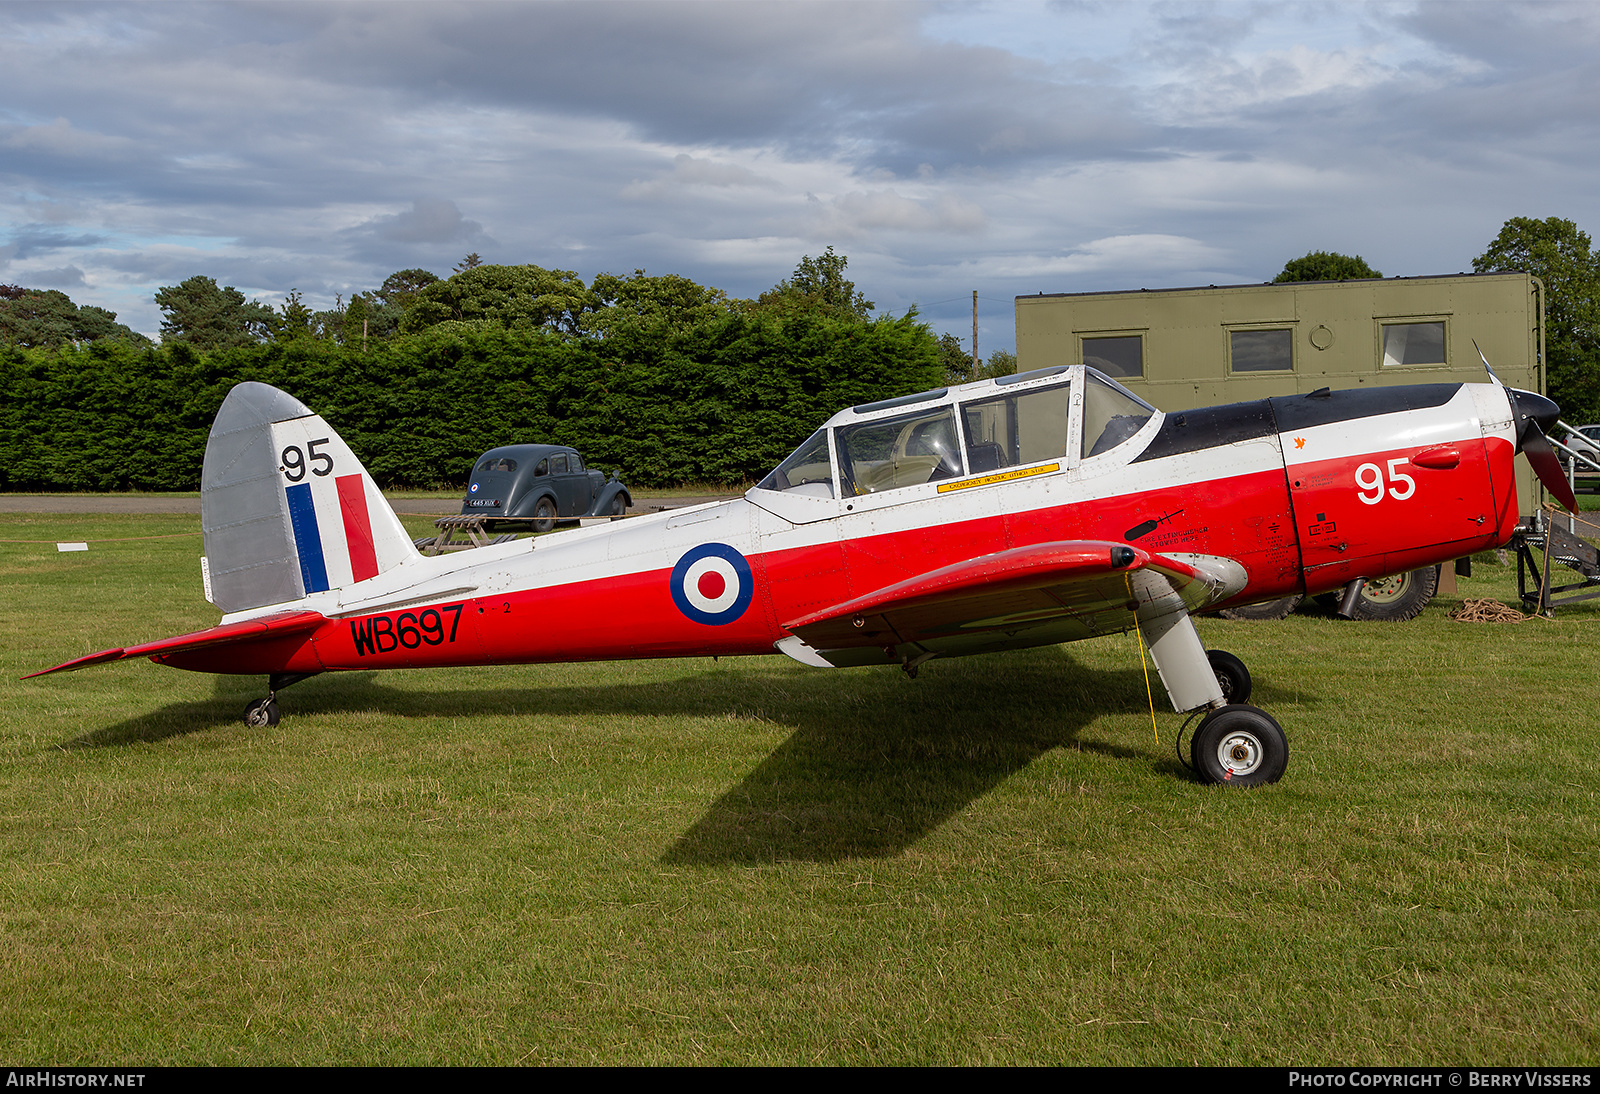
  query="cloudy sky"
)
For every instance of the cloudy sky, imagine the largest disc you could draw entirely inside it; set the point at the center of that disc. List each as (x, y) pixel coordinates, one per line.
(1007, 147)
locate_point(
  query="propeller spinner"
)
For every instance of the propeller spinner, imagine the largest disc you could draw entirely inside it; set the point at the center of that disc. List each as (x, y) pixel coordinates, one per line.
(1534, 415)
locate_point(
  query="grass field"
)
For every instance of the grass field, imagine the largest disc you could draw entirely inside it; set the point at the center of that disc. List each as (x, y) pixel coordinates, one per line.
(748, 861)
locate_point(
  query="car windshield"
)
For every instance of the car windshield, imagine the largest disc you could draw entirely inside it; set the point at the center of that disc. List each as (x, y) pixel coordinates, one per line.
(809, 470)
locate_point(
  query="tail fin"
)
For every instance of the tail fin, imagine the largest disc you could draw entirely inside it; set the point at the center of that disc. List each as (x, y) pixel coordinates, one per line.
(286, 507)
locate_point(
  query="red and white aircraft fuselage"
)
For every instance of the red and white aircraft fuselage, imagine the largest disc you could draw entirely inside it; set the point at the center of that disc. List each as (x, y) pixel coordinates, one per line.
(997, 515)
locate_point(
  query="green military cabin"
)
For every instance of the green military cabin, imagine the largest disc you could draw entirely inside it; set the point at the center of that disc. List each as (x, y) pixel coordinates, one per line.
(1182, 348)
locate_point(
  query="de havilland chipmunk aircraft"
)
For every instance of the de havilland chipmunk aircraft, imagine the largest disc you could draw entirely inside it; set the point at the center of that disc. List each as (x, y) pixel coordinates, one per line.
(1022, 511)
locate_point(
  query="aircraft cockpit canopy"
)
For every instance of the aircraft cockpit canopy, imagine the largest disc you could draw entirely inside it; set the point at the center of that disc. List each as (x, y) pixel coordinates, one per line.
(1010, 422)
(1111, 413)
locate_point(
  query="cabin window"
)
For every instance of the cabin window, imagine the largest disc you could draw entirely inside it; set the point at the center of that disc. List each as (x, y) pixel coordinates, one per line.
(809, 470)
(543, 468)
(1413, 343)
(558, 465)
(1024, 428)
(1111, 414)
(1119, 356)
(907, 450)
(1261, 350)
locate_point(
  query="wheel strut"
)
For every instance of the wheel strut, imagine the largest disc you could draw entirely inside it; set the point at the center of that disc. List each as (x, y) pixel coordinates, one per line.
(264, 712)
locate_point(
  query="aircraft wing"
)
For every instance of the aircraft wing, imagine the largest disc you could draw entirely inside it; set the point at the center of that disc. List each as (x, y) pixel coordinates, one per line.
(249, 630)
(1071, 589)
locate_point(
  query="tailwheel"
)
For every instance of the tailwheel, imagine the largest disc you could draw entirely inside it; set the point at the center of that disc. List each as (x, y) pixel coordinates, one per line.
(1232, 677)
(1239, 745)
(262, 713)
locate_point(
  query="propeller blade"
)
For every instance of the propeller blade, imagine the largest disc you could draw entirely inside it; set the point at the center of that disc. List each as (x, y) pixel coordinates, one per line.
(1485, 361)
(1546, 466)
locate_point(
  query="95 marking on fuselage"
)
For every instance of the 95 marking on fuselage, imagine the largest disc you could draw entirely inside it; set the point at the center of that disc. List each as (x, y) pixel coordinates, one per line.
(385, 633)
(1369, 476)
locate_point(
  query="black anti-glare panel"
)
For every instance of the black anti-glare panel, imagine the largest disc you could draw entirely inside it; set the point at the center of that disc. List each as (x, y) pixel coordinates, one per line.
(1305, 411)
(1192, 430)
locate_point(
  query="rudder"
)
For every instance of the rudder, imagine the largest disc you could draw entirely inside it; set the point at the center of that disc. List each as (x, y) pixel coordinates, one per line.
(287, 509)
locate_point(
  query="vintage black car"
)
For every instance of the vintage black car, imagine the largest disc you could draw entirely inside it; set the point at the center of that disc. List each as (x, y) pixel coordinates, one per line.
(532, 486)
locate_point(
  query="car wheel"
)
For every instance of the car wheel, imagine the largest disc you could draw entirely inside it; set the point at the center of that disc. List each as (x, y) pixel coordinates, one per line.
(1397, 597)
(544, 514)
(1272, 609)
(619, 505)
(1240, 746)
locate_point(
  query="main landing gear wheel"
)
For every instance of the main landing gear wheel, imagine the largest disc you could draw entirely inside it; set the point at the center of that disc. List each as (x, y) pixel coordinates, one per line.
(262, 713)
(1239, 745)
(1232, 677)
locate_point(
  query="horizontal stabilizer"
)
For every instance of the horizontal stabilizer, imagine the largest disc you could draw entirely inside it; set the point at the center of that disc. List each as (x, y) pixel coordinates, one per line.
(249, 630)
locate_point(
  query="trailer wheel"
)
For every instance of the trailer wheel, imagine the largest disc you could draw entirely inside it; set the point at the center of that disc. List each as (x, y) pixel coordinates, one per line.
(544, 514)
(1397, 597)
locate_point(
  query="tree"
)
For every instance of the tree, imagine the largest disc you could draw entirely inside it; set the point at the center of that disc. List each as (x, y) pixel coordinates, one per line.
(295, 319)
(1559, 255)
(402, 286)
(510, 296)
(49, 318)
(471, 262)
(957, 361)
(1326, 266)
(197, 312)
(818, 285)
(639, 301)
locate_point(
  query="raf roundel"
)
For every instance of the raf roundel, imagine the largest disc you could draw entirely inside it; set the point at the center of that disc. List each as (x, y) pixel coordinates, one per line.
(711, 584)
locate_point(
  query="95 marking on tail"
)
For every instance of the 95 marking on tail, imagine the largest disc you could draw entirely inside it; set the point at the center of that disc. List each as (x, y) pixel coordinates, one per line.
(294, 463)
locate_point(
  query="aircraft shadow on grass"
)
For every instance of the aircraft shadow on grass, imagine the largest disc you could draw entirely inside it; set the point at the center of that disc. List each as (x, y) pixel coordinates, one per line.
(873, 763)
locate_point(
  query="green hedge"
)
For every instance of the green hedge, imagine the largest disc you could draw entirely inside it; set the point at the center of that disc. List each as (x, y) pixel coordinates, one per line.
(721, 402)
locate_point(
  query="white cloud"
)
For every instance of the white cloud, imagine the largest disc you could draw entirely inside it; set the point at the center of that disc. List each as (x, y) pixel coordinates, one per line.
(949, 147)
(691, 171)
(867, 213)
(429, 220)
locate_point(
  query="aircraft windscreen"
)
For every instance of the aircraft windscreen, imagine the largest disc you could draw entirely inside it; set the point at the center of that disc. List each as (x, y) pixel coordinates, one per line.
(808, 470)
(1111, 413)
(906, 450)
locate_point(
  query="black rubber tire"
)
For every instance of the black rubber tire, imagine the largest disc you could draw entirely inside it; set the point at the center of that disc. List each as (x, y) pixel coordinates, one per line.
(1232, 676)
(544, 514)
(619, 505)
(1272, 609)
(1240, 746)
(1395, 598)
(261, 713)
